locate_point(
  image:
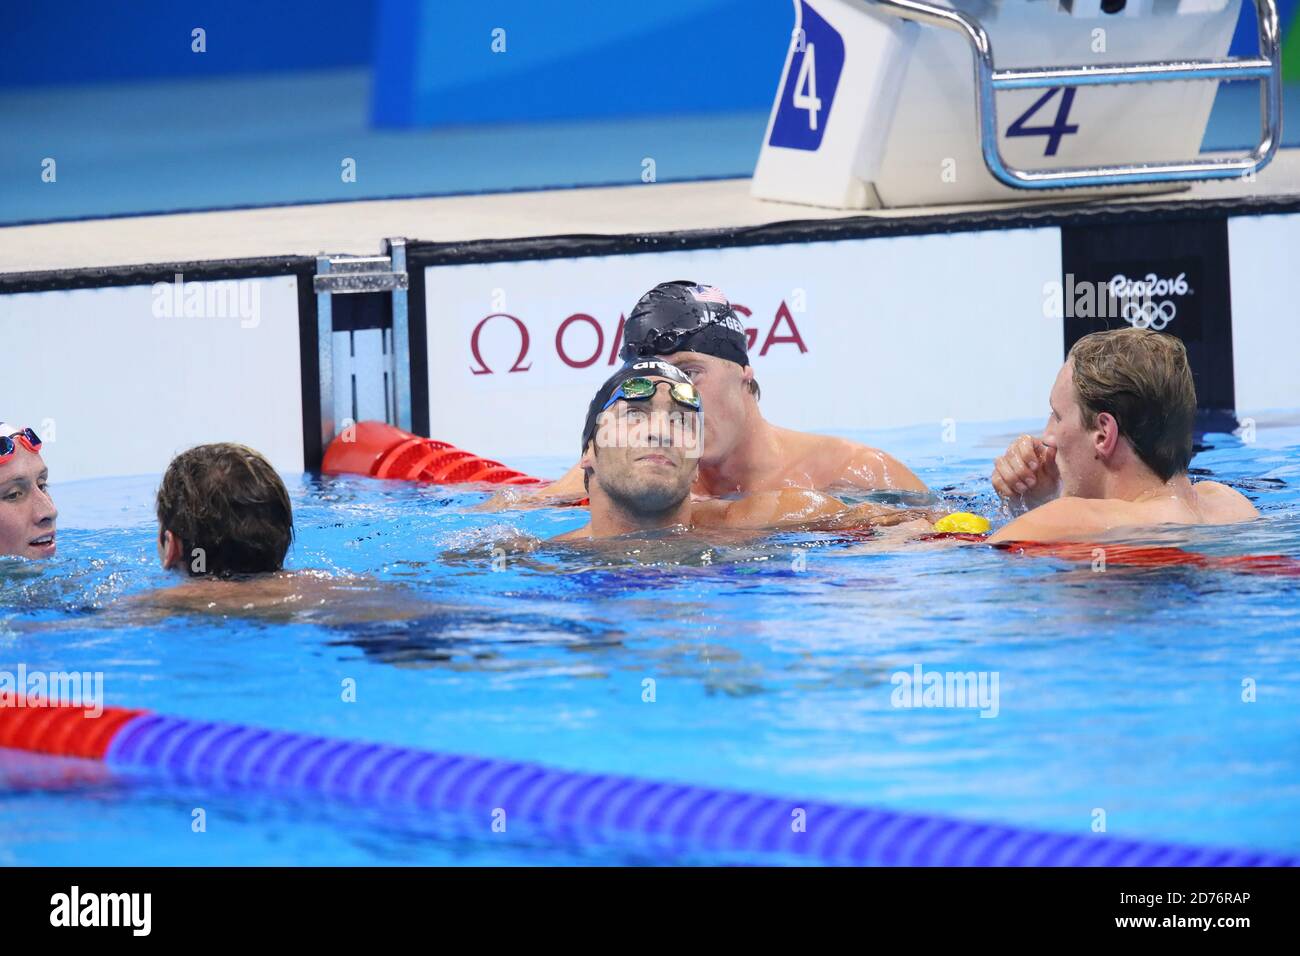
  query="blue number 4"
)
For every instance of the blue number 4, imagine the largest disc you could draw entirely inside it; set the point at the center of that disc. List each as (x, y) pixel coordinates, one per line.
(1061, 126)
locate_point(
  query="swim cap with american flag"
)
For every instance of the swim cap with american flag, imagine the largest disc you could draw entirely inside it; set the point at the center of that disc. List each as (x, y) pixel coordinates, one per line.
(685, 316)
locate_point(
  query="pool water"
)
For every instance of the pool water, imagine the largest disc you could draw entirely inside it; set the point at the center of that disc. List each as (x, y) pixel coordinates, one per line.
(1119, 693)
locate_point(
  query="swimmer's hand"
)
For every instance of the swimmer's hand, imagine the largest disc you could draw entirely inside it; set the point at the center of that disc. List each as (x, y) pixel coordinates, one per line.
(497, 554)
(867, 515)
(1027, 476)
(563, 491)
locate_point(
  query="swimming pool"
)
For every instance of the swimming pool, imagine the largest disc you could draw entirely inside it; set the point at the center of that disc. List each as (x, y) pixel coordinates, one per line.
(1119, 694)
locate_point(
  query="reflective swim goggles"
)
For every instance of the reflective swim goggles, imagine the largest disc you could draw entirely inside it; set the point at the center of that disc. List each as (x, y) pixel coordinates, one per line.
(641, 389)
(662, 341)
(8, 447)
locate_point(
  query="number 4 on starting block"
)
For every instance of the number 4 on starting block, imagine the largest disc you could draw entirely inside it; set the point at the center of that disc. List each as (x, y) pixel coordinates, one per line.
(818, 148)
(875, 109)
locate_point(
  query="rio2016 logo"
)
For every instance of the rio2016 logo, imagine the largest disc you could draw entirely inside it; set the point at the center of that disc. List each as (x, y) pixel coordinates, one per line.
(1138, 297)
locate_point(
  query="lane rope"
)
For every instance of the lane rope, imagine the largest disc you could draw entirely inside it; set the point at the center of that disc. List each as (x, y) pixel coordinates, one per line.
(585, 808)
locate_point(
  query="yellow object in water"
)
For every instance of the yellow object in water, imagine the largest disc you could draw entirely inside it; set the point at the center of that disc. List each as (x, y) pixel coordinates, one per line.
(962, 522)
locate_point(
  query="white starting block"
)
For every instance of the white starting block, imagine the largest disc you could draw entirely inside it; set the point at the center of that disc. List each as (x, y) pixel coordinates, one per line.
(879, 105)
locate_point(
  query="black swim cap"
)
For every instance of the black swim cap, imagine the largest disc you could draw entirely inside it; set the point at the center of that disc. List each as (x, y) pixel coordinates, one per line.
(684, 316)
(647, 368)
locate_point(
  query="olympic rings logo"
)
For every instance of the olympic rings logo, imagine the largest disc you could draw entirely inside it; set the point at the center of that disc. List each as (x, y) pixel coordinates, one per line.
(1139, 310)
(1149, 315)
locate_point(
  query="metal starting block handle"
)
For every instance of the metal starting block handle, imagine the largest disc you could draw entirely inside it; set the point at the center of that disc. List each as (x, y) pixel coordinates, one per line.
(1267, 69)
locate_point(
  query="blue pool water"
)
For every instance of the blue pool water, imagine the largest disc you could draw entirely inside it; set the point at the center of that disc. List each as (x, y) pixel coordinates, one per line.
(1119, 691)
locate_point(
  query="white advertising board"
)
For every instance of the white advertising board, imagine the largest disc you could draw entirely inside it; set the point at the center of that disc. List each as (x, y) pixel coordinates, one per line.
(118, 380)
(1265, 311)
(847, 335)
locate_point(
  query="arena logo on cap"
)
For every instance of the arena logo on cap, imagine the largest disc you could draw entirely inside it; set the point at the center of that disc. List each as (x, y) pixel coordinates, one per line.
(672, 371)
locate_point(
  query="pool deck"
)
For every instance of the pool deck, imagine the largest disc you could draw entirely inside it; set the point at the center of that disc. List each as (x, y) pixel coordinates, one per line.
(358, 227)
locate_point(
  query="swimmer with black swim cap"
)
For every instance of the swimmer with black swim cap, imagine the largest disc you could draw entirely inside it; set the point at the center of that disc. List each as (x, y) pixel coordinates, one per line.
(684, 317)
(695, 328)
(641, 457)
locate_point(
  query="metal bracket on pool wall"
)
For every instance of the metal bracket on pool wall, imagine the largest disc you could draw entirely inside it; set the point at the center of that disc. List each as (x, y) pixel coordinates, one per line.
(364, 339)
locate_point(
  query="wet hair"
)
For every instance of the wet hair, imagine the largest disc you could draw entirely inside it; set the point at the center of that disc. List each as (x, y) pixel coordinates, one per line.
(226, 500)
(1141, 378)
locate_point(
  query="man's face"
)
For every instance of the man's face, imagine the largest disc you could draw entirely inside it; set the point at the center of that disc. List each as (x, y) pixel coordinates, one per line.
(1076, 446)
(724, 390)
(645, 453)
(27, 513)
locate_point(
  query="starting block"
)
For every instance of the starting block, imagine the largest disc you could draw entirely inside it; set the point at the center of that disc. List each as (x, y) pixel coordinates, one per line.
(887, 103)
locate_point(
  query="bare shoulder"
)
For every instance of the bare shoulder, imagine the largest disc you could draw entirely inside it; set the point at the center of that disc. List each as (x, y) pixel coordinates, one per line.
(839, 462)
(256, 594)
(1064, 519)
(1223, 504)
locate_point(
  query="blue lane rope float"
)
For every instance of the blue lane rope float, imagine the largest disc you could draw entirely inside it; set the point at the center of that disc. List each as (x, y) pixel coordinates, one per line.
(595, 809)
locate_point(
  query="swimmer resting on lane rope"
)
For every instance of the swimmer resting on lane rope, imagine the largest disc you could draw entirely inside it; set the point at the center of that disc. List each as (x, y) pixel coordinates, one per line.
(640, 447)
(1115, 450)
(694, 328)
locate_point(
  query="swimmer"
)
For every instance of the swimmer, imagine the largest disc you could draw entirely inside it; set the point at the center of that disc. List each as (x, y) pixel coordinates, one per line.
(27, 513)
(694, 328)
(1116, 447)
(225, 521)
(640, 459)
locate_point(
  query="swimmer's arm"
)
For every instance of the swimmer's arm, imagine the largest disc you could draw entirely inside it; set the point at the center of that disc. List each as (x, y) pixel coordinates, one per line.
(567, 489)
(765, 510)
(808, 510)
(871, 469)
(1064, 519)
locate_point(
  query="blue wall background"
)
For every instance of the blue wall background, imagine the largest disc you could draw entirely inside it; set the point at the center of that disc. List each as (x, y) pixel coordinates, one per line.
(432, 60)
(57, 42)
(579, 58)
(593, 58)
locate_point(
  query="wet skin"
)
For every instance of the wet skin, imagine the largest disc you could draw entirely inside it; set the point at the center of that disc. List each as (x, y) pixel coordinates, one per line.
(643, 482)
(27, 512)
(743, 453)
(1077, 483)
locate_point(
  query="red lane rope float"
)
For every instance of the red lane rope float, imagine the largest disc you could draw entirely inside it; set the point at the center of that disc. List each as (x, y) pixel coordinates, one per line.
(378, 450)
(590, 808)
(59, 729)
(1157, 556)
